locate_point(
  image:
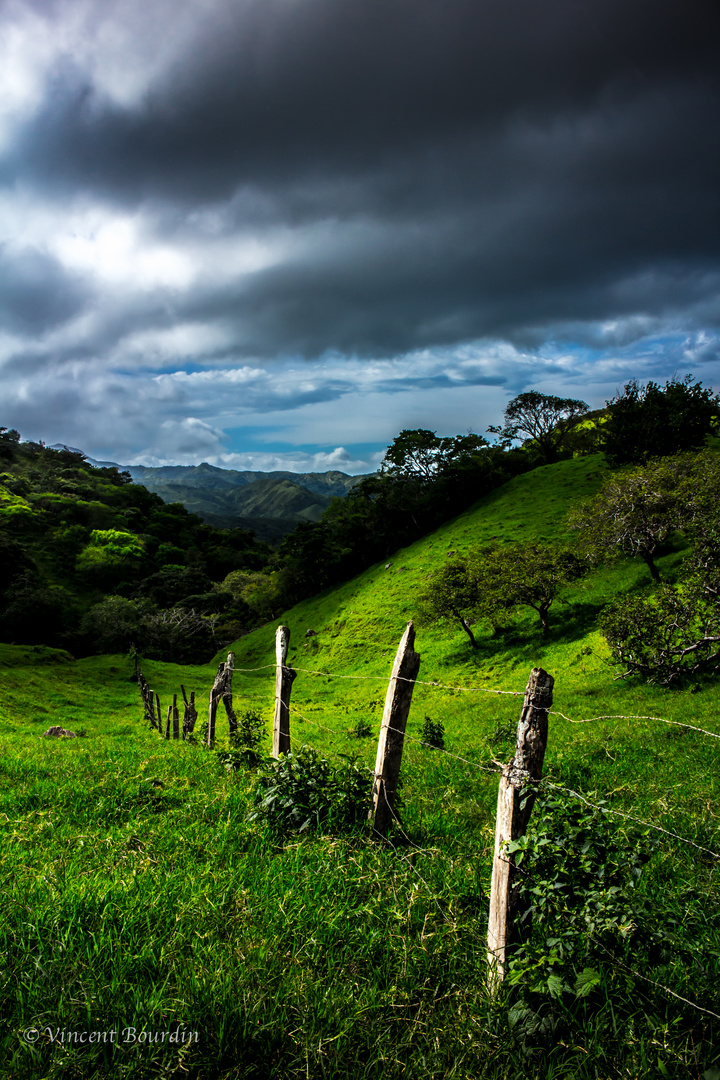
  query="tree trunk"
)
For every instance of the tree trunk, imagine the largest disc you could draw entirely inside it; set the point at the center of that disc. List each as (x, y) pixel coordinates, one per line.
(468, 631)
(647, 558)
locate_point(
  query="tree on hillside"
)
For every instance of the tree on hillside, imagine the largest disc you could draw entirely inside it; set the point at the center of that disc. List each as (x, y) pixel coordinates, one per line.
(676, 632)
(489, 582)
(452, 594)
(634, 512)
(533, 575)
(422, 455)
(672, 634)
(655, 421)
(544, 419)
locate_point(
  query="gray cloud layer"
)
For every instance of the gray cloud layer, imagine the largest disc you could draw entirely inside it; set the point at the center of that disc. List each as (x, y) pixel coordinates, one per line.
(225, 185)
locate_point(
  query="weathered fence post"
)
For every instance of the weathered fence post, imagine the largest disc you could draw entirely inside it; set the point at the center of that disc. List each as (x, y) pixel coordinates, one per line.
(215, 695)
(284, 677)
(190, 714)
(146, 694)
(392, 732)
(176, 718)
(512, 818)
(227, 696)
(159, 713)
(167, 724)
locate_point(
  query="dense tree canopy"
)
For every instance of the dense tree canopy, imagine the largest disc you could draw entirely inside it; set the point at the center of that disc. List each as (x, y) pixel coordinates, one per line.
(92, 561)
(655, 421)
(543, 419)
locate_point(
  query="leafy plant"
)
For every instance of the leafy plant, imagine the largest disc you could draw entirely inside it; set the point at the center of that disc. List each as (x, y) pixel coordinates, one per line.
(576, 895)
(304, 791)
(433, 733)
(244, 743)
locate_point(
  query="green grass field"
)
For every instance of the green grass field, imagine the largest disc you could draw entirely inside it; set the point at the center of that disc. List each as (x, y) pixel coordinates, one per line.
(141, 904)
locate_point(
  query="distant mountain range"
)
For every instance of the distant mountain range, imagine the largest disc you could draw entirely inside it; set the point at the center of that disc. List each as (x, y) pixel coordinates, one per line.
(270, 503)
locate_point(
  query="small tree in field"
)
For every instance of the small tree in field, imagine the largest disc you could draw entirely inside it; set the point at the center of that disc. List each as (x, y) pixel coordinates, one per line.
(633, 513)
(492, 581)
(452, 595)
(543, 419)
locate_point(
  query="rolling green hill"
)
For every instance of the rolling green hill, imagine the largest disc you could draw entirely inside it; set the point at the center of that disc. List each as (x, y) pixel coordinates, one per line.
(143, 895)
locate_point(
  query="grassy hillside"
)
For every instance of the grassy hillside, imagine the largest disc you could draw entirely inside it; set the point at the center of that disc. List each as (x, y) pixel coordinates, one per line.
(142, 896)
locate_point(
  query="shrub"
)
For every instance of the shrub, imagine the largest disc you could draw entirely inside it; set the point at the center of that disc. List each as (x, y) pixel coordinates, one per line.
(244, 743)
(433, 733)
(303, 791)
(576, 896)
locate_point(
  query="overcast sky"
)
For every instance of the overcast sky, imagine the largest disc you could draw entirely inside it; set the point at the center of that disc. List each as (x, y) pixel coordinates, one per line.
(273, 233)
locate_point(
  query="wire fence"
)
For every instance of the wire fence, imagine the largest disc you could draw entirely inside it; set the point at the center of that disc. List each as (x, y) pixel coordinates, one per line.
(497, 768)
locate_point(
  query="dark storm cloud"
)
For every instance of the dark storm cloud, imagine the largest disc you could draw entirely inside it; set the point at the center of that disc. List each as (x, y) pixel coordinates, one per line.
(203, 186)
(270, 87)
(513, 164)
(36, 292)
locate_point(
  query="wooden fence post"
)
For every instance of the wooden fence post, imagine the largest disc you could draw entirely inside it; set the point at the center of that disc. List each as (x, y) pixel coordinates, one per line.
(284, 677)
(176, 718)
(227, 696)
(392, 732)
(146, 694)
(512, 818)
(190, 714)
(215, 694)
(167, 723)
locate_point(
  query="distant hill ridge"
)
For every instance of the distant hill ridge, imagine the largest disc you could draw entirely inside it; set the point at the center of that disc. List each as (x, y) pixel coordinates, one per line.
(270, 503)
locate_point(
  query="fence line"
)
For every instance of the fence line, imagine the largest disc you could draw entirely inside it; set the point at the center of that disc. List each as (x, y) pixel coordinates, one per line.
(621, 716)
(631, 817)
(509, 772)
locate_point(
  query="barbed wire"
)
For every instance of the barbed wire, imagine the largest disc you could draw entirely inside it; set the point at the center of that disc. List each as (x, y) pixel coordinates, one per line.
(423, 742)
(387, 839)
(401, 678)
(630, 817)
(621, 716)
(654, 982)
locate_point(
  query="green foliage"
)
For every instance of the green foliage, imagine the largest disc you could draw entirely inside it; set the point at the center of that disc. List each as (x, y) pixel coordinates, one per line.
(636, 511)
(666, 638)
(361, 730)
(422, 455)
(110, 548)
(335, 955)
(655, 421)
(80, 532)
(491, 581)
(544, 420)
(244, 744)
(578, 907)
(303, 791)
(433, 733)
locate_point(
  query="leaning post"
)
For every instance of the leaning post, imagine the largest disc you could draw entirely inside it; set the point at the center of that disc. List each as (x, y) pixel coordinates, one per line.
(512, 818)
(218, 688)
(392, 732)
(227, 695)
(284, 677)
